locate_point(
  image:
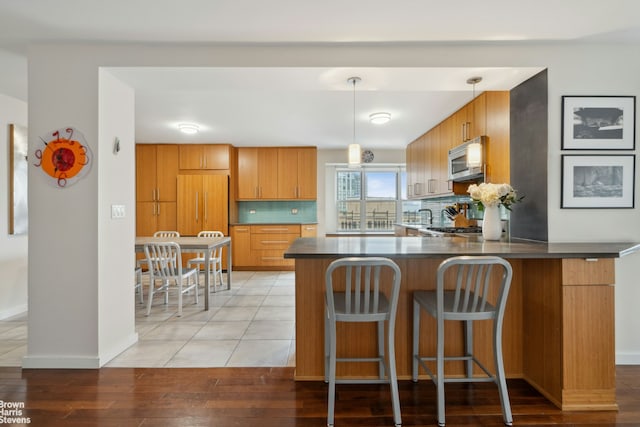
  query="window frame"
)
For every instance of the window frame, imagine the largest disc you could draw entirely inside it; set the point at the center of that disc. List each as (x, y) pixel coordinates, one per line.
(398, 169)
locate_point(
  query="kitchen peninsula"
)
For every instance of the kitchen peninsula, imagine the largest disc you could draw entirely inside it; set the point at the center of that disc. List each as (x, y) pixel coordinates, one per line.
(558, 328)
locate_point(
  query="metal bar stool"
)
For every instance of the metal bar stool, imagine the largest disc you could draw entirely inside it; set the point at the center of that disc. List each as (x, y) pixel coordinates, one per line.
(465, 299)
(363, 300)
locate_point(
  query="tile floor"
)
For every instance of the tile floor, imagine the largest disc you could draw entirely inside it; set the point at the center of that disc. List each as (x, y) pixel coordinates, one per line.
(250, 325)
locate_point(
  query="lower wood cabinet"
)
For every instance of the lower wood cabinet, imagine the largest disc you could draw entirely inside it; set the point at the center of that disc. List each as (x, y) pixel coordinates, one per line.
(262, 246)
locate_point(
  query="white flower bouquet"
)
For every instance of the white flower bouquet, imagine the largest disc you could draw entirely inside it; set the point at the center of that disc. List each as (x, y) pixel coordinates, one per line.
(487, 194)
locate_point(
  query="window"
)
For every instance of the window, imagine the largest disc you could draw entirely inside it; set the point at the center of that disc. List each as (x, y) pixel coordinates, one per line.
(370, 199)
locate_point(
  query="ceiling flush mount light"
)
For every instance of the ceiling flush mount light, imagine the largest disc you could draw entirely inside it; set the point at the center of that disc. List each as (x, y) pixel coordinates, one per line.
(188, 128)
(354, 149)
(379, 118)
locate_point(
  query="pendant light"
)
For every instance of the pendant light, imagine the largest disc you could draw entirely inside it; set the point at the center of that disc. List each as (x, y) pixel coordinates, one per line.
(354, 149)
(474, 149)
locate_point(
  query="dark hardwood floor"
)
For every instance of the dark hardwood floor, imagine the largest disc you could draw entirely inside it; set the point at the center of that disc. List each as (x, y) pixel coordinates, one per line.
(269, 397)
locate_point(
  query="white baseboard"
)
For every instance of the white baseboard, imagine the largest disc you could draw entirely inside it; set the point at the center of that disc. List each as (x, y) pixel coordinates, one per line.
(627, 358)
(78, 362)
(13, 311)
(60, 362)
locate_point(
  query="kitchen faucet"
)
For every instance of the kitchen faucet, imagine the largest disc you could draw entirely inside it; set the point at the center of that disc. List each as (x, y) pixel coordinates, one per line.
(430, 214)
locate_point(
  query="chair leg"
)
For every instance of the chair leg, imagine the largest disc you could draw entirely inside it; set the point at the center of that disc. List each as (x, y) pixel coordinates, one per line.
(440, 371)
(152, 284)
(381, 372)
(326, 346)
(195, 286)
(501, 381)
(416, 341)
(468, 346)
(393, 379)
(179, 298)
(332, 373)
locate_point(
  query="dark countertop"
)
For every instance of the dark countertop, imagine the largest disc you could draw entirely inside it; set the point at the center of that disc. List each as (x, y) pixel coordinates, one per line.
(412, 247)
(274, 223)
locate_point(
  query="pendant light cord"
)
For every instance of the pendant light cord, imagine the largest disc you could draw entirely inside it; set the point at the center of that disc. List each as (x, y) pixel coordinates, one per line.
(354, 110)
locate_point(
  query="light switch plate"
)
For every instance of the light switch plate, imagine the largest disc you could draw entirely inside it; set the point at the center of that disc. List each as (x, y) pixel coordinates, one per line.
(117, 211)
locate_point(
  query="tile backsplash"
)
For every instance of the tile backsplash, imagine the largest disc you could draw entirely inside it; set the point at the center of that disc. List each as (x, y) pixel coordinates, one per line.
(259, 212)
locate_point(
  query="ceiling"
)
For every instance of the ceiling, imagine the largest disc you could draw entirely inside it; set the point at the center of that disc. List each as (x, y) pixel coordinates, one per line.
(303, 106)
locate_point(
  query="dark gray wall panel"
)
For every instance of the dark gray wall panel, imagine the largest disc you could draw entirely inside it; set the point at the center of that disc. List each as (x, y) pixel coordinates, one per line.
(528, 157)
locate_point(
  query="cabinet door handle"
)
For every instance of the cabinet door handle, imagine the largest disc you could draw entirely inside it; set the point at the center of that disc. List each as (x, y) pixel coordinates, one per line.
(158, 194)
(206, 194)
(154, 209)
(197, 197)
(274, 230)
(158, 208)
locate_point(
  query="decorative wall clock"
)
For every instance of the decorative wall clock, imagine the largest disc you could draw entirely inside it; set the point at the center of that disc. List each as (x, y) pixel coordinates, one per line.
(367, 156)
(65, 158)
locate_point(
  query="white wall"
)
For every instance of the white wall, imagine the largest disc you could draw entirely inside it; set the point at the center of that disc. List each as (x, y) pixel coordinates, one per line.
(13, 248)
(116, 237)
(61, 95)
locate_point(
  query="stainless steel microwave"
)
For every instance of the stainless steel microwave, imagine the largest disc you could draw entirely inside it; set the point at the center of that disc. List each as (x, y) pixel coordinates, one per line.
(466, 161)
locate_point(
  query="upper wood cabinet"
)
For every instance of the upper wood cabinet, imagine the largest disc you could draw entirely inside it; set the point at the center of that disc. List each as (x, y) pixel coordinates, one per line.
(277, 173)
(257, 173)
(204, 156)
(297, 173)
(427, 156)
(203, 204)
(498, 137)
(156, 172)
(470, 120)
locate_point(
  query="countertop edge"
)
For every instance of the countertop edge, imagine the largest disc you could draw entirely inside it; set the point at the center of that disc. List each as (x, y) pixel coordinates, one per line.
(412, 247)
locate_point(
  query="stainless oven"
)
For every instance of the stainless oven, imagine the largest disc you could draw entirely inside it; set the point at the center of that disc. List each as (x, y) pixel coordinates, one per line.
(466, 161)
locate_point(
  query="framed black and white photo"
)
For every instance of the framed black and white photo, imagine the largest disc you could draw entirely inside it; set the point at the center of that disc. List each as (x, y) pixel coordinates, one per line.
(598, 181)
(598, 122)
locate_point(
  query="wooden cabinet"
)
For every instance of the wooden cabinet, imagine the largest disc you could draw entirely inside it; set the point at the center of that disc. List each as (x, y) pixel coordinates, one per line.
(277, 173)
(308, 230)
(427, 165)
(427, 156)
(297, 173)
(257, 173)
(204, 156)
(498, 137)
(155, 216)
(262, 246)
(156, 175)
(470, 120)
(412, 168)
(203, 204)
(241, 244)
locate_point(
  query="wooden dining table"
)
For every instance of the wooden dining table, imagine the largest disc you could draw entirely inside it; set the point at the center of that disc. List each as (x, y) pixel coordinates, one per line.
(203, 245)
